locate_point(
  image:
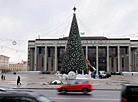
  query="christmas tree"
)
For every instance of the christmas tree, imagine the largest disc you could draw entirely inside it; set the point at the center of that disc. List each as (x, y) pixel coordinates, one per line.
(74, 57)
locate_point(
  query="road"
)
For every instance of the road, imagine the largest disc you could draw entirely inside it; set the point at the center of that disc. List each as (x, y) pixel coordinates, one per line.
(94, 96)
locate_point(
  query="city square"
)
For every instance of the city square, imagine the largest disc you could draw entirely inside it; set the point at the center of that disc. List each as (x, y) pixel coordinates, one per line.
(41, 81)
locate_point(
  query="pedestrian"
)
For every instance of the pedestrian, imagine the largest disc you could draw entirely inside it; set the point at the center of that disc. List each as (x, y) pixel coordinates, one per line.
(132, 74)
(18, 80)
(2, 77)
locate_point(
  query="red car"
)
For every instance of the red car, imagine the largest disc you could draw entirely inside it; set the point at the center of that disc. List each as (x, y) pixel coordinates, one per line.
(75, 86)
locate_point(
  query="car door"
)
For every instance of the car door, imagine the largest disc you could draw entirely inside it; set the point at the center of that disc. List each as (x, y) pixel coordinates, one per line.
(80, 85)
(71, 86)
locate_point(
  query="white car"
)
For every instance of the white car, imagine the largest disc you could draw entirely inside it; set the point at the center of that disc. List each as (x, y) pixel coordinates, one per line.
(58, 82)
(102, 74)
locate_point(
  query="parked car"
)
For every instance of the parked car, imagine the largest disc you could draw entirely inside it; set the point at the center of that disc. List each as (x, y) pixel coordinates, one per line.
(129, 93)
(102, 74)
(57, 82)
(21, 96)
(75, 86)
(108, 74)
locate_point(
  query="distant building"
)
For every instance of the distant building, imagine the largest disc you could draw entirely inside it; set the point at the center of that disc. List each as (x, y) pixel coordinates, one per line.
(4, 63)
(108, 54)
(17, 66)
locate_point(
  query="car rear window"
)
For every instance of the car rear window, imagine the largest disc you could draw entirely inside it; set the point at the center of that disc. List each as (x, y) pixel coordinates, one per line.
(133, 89)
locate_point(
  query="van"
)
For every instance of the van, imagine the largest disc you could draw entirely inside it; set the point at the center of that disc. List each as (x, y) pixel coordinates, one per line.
(129, 93)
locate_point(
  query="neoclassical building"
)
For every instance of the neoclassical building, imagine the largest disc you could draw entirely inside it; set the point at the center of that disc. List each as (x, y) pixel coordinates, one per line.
(108, 54)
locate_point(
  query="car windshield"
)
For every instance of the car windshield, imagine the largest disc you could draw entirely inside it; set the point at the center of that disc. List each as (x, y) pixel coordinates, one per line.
(43, 99)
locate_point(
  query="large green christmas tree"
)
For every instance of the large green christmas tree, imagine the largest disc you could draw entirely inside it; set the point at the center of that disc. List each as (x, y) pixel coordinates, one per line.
(74, 57)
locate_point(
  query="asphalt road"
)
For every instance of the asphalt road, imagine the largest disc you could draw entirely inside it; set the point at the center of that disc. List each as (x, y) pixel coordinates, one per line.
(94, 96)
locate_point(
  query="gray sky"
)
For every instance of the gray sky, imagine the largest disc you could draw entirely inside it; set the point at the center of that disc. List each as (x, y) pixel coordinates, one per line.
(23, 20)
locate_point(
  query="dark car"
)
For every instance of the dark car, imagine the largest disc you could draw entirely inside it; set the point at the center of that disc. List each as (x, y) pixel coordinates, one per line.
(21, 96)
(129, 93)
(75, 86)
(108, 74)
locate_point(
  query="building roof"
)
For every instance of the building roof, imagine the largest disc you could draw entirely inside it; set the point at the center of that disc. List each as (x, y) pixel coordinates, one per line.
(4, 56)
(82, 38)
(18, 63)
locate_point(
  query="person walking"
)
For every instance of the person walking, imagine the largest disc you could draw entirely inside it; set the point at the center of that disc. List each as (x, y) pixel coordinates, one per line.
(18, 80)
(2, 77)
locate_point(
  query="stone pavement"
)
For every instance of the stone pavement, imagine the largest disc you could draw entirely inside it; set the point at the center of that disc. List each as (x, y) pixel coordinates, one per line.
(39, 81)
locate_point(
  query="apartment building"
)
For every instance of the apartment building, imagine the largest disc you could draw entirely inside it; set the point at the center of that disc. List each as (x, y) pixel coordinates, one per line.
(4, 63)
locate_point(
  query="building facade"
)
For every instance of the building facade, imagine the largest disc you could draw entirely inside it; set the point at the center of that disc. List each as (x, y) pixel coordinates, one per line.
(106, 54)
(4, 63)
(13, 67)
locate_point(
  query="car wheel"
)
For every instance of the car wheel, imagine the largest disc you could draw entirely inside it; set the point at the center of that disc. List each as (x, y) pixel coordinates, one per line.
(85, 90)
(100, 77)
(63, 90)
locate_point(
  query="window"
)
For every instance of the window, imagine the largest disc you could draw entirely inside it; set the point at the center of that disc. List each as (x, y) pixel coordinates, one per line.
(17, 99)
(80, 82)
(24, 99)
(6, 99)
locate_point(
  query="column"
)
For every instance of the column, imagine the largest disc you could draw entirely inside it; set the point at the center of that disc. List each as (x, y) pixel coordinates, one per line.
(86, 52)
(65, 47)
(55, 57)
(121, 63)
(108, 59)
(45, 62)
(35, 58)
(118, 58)
(31, 60)
(129, 58)
(97, 60)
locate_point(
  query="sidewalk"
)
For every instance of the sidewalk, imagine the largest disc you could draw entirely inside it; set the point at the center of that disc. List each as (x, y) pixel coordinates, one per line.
(39, 81)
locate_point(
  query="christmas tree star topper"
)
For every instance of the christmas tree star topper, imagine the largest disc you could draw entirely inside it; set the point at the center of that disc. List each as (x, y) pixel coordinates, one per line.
(74, 8)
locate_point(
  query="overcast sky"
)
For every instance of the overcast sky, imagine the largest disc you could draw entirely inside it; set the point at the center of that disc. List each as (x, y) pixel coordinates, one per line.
(23, 20)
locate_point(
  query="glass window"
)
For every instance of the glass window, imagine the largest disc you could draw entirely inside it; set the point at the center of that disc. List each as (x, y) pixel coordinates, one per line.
(80, 82)
(24, 99)
(6, 99)
(102, 55)
(72, 83)
(43, 99)
(92, 56)
(60, 56)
